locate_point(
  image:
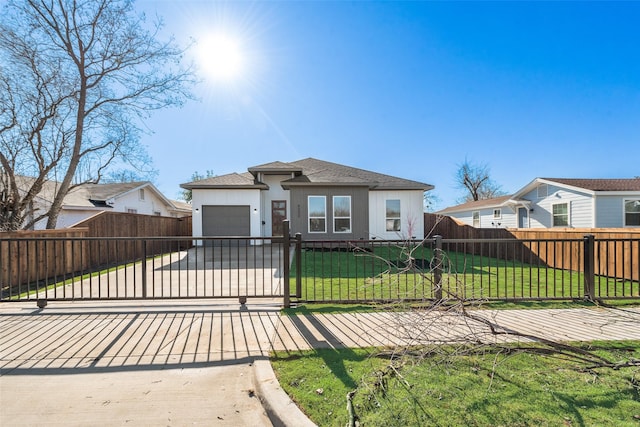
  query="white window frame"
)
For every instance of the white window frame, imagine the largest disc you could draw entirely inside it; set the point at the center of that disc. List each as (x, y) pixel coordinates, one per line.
(624, 211)
(499, 213)
(141, 194)
(553, 216)
(473, 219)
(335, 216)
(540, 193)
(309, 217)
(131, 210)
(392, 218)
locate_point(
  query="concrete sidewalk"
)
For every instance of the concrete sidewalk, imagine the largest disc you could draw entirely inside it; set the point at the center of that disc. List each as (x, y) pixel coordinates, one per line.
(206, 363)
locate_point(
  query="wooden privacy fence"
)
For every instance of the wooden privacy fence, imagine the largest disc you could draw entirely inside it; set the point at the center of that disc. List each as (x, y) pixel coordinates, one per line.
(31, 256)
(118, 224)
(616, 250)
(27, 256)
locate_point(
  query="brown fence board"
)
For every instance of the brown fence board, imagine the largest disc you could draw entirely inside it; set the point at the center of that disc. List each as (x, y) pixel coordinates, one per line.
(565, 254)
(27, 261)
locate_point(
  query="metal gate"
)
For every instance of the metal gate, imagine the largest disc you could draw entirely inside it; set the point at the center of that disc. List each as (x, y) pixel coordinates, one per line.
(157, 268)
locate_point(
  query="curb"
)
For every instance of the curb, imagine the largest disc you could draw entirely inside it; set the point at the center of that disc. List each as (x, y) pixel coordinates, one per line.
(280, 409)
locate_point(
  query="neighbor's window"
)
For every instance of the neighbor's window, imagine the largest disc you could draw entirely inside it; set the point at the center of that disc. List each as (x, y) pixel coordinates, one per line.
(157, 213)
(543, 191)
(632, 213)
(393, 215)
(131, 210)
(497, 213)
(476, 219)
(342, 214)
(141, 193)
(560, 213)
(317, 214)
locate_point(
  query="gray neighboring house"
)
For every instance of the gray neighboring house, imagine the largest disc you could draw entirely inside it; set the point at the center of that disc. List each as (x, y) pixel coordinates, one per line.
(558, 202)
(322, 200)
(87, 200)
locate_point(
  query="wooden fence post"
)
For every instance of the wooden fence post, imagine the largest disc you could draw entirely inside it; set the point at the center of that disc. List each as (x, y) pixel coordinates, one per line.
(589, 267)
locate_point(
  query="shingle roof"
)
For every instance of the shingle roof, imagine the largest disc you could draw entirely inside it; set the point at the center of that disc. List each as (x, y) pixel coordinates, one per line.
(323, 172)
(310, 171)
(477, 204)
(628, 184)
(231, 180)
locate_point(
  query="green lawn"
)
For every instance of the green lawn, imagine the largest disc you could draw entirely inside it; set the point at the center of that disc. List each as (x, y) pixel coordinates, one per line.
(385, 273)
(489, 388)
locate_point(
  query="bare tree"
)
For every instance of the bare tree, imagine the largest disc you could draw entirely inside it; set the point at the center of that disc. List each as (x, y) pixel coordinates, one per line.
(476, 180)
(187, 195)
(77, 77)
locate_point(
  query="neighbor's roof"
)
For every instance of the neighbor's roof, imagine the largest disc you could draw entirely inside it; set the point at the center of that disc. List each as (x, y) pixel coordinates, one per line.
(477, 204)
(618, 184)
(311, 172)
(593, 185)
(88, 195)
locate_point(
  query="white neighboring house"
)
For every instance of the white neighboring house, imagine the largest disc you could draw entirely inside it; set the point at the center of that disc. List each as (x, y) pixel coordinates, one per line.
(87, 200)
(558, 202)
(322, 200)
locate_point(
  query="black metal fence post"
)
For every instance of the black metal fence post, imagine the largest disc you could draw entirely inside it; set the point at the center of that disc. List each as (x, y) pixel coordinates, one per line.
(437, 268)
(589, 267)
(286, 245)
(298, 265)
(144, 269)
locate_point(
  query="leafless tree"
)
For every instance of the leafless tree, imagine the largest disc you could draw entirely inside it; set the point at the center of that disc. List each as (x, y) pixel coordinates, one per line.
(76, 79)
(476, 180)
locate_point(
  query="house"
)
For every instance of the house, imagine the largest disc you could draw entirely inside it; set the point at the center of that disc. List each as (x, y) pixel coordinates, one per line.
(558, 202)
(87, 200)
(322, 201)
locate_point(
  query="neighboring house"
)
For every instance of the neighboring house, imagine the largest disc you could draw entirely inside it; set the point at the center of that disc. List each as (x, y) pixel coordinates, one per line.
(558, 202)
(322, 200)
(87, 200)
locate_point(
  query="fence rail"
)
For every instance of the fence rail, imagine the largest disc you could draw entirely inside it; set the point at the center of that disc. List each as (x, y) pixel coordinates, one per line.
(158, 268)
(318, 271)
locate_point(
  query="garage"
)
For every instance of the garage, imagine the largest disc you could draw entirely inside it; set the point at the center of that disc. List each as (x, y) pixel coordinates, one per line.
(227, 220)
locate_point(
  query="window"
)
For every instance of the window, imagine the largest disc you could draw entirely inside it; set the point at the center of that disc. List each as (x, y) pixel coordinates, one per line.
(317, 214)
(497, 213)
(157, 213)
(342, 214)
(393, 215)
(560, 213)
(632, 213)
(141, 194)
(543, 191)
(131, 210)
(476, 219)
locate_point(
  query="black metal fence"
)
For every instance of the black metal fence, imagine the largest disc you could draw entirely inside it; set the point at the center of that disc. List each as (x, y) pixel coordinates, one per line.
(491, 269)
(318, 271)
(141, 268)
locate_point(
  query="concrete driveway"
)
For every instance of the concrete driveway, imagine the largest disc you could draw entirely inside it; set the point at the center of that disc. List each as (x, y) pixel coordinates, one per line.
(106, 364)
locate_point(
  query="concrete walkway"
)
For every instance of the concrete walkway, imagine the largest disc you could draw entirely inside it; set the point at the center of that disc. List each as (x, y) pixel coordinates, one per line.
(206, 363)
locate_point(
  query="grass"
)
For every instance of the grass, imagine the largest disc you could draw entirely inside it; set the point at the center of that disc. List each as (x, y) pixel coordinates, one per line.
(486, 389)
(380, 274)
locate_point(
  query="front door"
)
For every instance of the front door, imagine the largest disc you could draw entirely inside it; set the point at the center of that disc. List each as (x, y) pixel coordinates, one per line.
(278, 214)
(523, 217)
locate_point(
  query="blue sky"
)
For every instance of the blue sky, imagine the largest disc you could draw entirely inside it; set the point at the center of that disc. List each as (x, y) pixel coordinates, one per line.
(411, 89)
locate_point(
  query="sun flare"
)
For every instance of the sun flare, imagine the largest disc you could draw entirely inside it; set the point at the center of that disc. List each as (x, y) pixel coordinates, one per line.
(220, 57)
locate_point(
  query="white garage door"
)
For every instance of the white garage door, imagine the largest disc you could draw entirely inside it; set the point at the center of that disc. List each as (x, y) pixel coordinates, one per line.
(220, 221)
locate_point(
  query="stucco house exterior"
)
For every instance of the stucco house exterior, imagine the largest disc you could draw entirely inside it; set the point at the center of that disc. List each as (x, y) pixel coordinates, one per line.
(87, 200)
(558, 202)
(322, 200)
